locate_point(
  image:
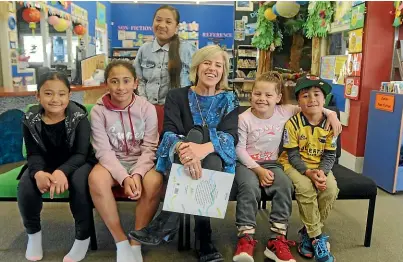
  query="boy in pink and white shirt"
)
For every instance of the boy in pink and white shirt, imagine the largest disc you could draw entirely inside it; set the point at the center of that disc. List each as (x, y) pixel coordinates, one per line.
(260, 133)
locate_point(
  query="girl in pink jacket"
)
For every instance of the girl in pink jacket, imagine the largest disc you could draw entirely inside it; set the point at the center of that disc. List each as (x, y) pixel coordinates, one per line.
(125, 137)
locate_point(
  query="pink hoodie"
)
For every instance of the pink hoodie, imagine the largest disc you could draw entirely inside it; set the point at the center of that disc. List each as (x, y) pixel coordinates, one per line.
(125, 140)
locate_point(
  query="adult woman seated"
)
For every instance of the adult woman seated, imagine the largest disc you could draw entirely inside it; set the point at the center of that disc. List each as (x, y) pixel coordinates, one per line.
(200, 131)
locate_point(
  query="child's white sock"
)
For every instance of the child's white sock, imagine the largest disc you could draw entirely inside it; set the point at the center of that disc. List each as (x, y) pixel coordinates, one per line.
(78, 251)
(34, 247)
(137, 253)
(124, 252)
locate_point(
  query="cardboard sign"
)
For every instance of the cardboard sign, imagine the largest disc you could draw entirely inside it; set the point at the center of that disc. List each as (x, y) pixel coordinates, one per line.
(355, 41)
(385, 102)
(352, 88)
(354, 64)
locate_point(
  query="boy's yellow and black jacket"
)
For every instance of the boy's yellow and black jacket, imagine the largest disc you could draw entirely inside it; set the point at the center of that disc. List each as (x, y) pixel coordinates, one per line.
(65, 145)
(306, 146)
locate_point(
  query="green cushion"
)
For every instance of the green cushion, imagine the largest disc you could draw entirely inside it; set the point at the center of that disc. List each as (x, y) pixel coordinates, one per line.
(9, 184)
(8, 180)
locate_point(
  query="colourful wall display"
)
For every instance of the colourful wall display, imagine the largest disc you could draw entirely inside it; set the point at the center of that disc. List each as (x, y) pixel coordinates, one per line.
(101, 15)
(327, 67)
(354, 64)
(138, 19)
(352, 88)
(355, 41)
(342, 12)
(357, 17)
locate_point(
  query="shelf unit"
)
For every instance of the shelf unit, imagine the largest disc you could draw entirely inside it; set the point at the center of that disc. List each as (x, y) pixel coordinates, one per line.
(246, 61)
(384, 142)
(124, 53)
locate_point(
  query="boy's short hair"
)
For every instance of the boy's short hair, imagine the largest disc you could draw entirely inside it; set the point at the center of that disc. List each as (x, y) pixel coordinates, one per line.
(308, 81)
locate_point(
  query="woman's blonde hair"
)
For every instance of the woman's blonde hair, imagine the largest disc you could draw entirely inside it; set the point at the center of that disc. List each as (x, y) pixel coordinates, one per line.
(204, 54)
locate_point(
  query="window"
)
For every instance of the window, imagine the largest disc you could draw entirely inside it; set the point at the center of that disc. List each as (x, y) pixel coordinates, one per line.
(33, 48)
(338, 43)
(59, 46)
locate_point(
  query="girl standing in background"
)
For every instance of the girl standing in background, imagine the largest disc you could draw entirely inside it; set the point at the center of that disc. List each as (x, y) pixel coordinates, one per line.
(165, 62)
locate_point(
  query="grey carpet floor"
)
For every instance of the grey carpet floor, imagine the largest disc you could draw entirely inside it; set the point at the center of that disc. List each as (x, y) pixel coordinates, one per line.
(346, 227)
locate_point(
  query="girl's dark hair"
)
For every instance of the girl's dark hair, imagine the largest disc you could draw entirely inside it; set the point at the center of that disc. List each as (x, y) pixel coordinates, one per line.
(275, 78)
(53, 76)
(116, 62)
(174, 63)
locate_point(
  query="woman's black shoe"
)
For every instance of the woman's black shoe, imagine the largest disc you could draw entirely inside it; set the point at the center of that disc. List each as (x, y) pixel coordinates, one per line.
(162, 229)
(207, 252)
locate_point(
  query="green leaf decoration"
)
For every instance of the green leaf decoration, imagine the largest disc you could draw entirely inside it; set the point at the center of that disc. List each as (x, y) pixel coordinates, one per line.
(264, 35)
(267, 32)
(319, 19)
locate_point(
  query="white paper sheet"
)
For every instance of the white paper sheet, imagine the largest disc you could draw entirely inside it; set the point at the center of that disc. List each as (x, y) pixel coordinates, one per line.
(207, 196)
(121, 35)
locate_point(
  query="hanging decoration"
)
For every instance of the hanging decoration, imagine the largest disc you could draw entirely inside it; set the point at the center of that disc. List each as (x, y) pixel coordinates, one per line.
(269, 14)
(319, 18)
(61, 26)
(79, 30)
(32, 16)
(287, 9)
(53, 20)
(268, 34)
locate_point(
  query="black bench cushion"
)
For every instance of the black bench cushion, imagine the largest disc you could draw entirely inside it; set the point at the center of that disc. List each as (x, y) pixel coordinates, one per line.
(353, 185)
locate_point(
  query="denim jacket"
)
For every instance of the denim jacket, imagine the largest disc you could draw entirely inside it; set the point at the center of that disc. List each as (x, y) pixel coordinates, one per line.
(151, 66)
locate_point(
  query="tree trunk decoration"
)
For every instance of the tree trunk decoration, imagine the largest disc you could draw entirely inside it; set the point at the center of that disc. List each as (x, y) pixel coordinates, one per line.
(296, 51)
(315, 56)
(264, 62)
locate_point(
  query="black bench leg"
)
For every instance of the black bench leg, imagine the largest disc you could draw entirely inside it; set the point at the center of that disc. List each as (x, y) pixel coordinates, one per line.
(93, 237)
(181, 229)
(370, 222)
(187, 232)
(184, 232)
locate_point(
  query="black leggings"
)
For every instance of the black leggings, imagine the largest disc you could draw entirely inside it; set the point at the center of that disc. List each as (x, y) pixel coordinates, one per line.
(30, 202)
(213, 161)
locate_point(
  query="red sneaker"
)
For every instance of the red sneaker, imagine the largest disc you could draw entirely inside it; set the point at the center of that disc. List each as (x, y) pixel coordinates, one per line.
(244, 249)
(278, 249)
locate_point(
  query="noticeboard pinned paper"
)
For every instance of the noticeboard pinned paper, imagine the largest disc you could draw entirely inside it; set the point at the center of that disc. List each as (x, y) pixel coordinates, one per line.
(207, 196)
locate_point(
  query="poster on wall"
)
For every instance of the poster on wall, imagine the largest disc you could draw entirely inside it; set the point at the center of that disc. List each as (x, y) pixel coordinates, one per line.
(352, 88)
(357, 17)
(340, 69)
(355, 41)
(239, 36)
(130, 35)
(342, 12)
(127, 43)
(121, 35)
(101, 16)
(244, 6)
(239, 25)
(354, 64)
(327, 67)
(189, 32)
(79, 12)
(357, 2)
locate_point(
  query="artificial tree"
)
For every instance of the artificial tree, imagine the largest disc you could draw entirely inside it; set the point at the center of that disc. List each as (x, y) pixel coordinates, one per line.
(294, 27)
(317, 25)
(268, 36)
